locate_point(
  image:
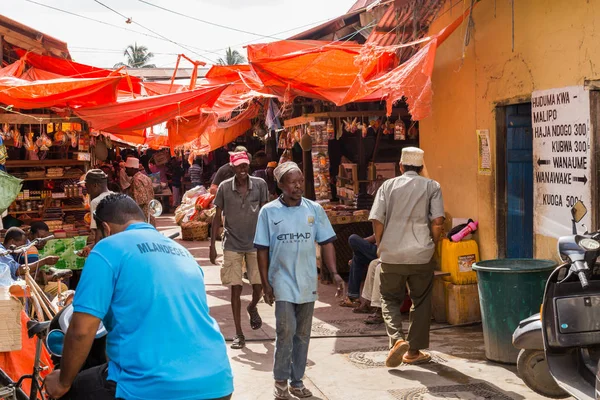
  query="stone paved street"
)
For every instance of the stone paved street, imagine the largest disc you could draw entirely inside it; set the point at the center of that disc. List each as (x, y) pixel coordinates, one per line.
(346, 357)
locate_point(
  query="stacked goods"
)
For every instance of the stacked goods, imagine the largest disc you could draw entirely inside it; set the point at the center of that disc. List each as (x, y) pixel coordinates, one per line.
(55, 173)
(340, 214)
(196, 205)
(320, 158)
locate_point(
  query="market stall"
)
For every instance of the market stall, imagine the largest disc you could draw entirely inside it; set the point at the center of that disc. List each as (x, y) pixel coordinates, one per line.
(49, 157)
(352, 154)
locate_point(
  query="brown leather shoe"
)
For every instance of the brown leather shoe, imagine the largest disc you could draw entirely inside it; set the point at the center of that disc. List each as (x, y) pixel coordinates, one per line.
(394, 358)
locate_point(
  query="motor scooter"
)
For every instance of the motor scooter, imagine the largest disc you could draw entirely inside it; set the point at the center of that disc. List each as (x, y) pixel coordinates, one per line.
(560, 347)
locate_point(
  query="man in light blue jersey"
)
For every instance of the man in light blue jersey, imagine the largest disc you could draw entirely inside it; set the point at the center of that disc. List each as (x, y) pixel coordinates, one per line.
(149, 293)
(286, 233)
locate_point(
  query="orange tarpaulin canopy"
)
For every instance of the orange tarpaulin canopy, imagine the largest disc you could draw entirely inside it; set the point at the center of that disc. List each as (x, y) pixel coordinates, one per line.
(15, 69)
(140, 113)
(206, 133)
(72, 69)
(410, 80)
(344, 73)
(323, 70)
(25, 94)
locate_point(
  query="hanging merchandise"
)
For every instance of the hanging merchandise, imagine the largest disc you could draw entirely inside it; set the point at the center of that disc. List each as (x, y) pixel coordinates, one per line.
(286, 156)
(320, 159)
(399, 130)
(413, 132)
(73, 136)
(364, 129)
(45, 142)
(330, 130)
(3, 152)
(62, 138)
(282, 140)
(17, 137)
(29, 142)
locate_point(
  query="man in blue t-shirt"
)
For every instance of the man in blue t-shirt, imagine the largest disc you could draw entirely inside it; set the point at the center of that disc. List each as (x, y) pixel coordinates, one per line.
(286, 233)
(149, 293)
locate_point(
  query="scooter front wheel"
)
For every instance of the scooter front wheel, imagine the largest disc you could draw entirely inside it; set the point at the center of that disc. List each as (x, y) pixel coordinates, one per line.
(533, 369)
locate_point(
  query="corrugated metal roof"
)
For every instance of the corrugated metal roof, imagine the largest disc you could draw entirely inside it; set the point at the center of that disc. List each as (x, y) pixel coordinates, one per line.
(30, 39)
(162, 74)
(360, 4)
(397, 24)
(329, 27)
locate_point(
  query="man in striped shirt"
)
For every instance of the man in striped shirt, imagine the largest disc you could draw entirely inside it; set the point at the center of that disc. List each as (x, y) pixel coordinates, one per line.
(196, 172)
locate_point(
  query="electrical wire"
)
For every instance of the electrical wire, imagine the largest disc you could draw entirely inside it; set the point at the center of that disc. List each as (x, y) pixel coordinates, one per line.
(109, 24)
(130, 20)
(206, 22)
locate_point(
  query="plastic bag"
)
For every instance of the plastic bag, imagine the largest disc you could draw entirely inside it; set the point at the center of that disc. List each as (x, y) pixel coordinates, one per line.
(11, 187)
(204, 201)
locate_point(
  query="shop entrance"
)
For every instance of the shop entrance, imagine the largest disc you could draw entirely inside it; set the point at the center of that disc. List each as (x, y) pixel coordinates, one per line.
(515, 181)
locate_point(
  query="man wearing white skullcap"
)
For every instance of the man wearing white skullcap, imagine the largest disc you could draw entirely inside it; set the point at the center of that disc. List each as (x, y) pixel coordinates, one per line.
(407, 216)
(285, 237)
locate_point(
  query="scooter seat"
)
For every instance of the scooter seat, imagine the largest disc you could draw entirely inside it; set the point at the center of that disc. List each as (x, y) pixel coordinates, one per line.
(35, 327)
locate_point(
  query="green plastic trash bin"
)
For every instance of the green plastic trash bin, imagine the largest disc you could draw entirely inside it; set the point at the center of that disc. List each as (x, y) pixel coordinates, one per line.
(510, 290)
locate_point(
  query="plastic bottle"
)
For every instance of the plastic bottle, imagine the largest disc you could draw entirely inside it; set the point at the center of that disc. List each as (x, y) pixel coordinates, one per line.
(471, 227)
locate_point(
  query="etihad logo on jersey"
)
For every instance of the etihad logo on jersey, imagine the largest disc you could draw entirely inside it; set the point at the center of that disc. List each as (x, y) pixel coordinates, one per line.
(294, 237)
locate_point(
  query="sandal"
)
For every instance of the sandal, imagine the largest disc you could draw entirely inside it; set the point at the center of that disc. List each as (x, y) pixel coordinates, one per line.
(239, 342)
(374, 319)
(350, 303)
(363, 309)
(422, 358)
(397, 354)
(301, 392)
(255, 320)
(281, 392)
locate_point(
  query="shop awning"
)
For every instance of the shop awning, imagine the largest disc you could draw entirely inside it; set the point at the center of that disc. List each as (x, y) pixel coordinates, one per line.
(344, 72)
(67, 68)
(205, 133)
(25, 94)
(137, 114)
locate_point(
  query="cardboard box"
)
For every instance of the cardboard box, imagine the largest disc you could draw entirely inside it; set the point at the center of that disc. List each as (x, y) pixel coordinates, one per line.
(10, 322)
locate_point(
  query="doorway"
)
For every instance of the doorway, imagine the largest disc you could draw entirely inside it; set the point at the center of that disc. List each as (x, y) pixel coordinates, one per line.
(515, 181)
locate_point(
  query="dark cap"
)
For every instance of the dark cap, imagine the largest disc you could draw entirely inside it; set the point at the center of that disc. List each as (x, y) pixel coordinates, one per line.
(94, 176)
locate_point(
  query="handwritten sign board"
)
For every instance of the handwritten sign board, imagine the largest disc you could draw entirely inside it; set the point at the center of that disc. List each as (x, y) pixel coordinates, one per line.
(562, 158)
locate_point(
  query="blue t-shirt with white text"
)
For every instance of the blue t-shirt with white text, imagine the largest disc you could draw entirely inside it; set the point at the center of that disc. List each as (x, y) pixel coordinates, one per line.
(162, 342)
(290, 234)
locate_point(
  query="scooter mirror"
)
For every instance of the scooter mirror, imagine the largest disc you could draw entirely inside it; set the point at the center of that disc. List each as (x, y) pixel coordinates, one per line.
(155, 208)
(578, 211)
(55, 341)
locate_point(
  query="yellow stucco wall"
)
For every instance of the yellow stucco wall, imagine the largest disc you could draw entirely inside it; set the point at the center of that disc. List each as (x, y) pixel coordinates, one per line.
(555, 45)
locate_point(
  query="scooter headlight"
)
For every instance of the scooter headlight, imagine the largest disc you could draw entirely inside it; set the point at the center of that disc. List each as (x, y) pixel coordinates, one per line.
(589, 244)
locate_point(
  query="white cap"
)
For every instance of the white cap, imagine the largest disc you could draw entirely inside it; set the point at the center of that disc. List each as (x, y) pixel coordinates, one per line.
(132, 162)
(412, 156)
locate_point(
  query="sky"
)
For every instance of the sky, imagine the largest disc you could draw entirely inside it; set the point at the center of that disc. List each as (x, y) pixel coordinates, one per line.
(164, 33)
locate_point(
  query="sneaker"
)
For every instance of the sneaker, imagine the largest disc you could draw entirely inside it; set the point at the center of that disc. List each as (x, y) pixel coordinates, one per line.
(394, 358)
(301, 392)
(281, 392)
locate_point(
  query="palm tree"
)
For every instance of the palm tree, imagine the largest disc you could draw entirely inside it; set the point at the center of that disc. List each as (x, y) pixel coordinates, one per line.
(232, 57)
(137, 57)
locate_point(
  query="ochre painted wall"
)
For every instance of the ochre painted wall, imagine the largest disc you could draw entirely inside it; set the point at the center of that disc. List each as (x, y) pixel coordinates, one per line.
(555, 45)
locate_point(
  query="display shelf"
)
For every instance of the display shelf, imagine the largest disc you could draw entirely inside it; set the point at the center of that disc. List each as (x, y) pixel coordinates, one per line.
(44, 163)
(24, 212)
(65, 209)
(49, 179)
